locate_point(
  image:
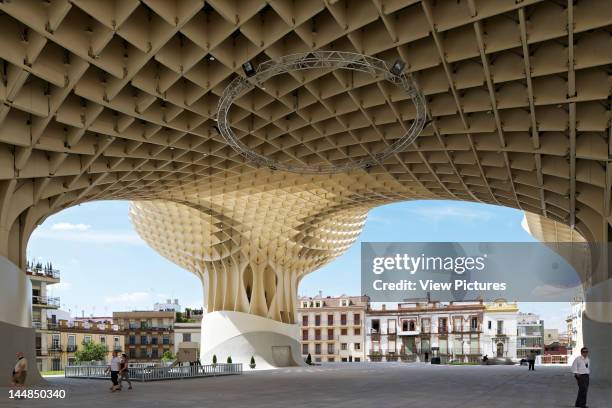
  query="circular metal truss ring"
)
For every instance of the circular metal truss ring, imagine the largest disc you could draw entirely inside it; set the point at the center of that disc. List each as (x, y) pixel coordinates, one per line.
(321, 60)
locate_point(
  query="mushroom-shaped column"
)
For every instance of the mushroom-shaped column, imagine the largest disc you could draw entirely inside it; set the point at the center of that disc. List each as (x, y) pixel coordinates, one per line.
(250, 259)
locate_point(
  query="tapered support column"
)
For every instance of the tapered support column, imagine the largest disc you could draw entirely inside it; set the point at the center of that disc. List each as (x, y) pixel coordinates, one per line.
(597, 331)
(16, 329)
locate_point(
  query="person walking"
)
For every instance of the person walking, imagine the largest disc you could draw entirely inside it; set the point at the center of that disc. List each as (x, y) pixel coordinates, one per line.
(114, 367)
(581, 370)
(531, 360)
(20, 372)
(124, 371)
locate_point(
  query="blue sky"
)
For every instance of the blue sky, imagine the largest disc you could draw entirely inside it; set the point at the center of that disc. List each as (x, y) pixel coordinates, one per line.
(106, 267)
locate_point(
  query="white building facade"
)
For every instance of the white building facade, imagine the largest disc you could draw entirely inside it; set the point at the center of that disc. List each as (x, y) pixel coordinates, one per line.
(454, 331)
(500, 330)
(530, 335)
(187, 333)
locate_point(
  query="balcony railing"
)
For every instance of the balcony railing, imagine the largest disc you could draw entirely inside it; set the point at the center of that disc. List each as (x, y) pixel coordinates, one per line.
(71, 348)
(49, 273)
(45, 300)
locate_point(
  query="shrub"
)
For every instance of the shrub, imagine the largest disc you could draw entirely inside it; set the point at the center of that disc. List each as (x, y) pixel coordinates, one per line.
(214, 359)
(229, 360)
(91, 352)
(252, 364)
(309, 359)
(167, 356)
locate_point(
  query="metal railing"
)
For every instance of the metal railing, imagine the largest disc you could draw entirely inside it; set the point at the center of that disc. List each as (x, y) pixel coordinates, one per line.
(44, 300)
(144, 373)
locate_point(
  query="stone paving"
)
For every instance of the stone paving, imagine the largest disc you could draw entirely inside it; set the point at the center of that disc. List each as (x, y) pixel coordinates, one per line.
(351, 385)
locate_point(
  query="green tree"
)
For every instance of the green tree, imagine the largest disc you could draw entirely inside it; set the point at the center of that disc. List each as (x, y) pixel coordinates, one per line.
(229, 360)
(252, 364)
(214, 359)
(308, 359)
(167, 356)
(91, 351)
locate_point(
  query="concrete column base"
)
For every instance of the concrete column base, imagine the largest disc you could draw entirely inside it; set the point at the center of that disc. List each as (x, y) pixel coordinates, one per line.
(242, 335)
(14, 339)
(597, 331)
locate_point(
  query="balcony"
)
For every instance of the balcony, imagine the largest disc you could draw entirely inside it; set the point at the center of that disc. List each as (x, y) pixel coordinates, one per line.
(45, 301)
(414, 332)
(71, 348)
(52, 274)
(55, 348)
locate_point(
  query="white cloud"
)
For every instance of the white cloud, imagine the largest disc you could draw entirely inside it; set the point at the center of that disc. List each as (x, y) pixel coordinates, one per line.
(450, 211)
(88, 236)
(67, 226)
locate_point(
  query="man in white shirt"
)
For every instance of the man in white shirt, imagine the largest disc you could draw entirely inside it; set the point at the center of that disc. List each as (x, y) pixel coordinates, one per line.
(114, 368)
(581, 370)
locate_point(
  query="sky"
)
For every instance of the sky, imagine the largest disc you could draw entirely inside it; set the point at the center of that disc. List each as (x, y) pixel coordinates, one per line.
(106, 267)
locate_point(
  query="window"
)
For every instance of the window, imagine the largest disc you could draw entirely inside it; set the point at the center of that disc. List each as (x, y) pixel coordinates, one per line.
(490, 324)
(344, 332)
(412, 325)
(117, 343)
(343, 346)
(166, 339)
(357, 332)
(375, 326)
(391, 326)
(442, 327)
(500, 327)
(305, 320)
(317, 334)
(56, 364)
(186, 336)
(330, 320)
(330, 348)
(55, 342)
(305, 304)
(404, 325)
(317, 320)
(344, 359)
(474, 324)
(132, 353)
(357, 359)
(317, 304)
(304, 334)
(154, 340)
(330, 334)
(317, 348)
(304, 348)
(154, 353)
(343, 319)
(331, 359)
(132, 339)
(102, 339)
(344, 302)
(87, 339)
(425, 325)
(143, 353)
(356, 319)
(357, 346)
(71, 342)
(143, 340)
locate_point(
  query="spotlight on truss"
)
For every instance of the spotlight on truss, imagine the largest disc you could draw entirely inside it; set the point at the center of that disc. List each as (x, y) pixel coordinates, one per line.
(248, 69)
(398, 67)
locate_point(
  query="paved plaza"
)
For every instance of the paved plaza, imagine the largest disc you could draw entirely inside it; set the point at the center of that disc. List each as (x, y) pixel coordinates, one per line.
(341, 385)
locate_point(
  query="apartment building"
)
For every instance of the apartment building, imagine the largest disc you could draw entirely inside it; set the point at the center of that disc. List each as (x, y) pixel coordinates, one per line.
(186, 333)
(530, 335)
(418, 329)
(332, 328)
(41, 276)
(148, 334)
(70, 335)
